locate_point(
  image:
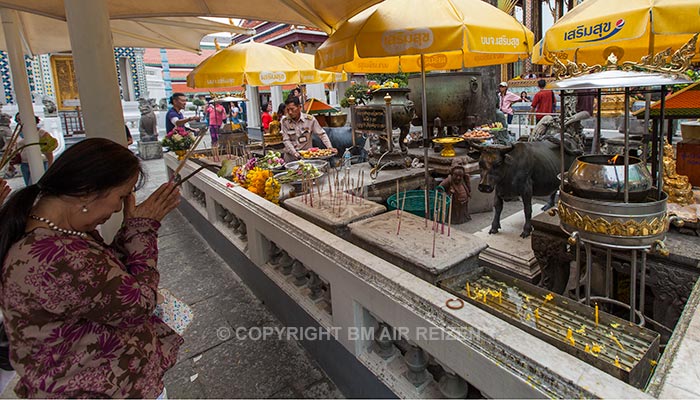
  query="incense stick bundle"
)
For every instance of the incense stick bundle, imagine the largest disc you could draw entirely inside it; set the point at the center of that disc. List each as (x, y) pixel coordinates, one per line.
(10, 150)
(187, 155)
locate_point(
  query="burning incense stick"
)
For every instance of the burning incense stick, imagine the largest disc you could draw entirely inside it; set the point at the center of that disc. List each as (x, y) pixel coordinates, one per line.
(397, 199)
(449, 218)
(435, 203)
(444, 210)
(403, 204)
(434, 231)
(426, 207)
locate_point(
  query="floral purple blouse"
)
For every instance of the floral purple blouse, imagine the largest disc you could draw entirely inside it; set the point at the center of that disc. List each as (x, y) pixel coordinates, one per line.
(79, 314)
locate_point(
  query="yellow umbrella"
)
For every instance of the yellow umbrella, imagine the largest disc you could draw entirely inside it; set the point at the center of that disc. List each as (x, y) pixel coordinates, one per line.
(420, 35)
(319, 76)
(630, 29)
(450, 34)
(256, 64)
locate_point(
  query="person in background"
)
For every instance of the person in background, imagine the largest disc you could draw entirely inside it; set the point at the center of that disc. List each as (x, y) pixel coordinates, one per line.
(296, 92)
(524, 97)
(216, 115)
(48, 145)
(266, 117)
(585, 101)
(78, 312)
(543, 102)
(506, 100)
(174, 116)
(297, 130)
(129, 138)
(235, 112)
(4, 190)
(281, 110)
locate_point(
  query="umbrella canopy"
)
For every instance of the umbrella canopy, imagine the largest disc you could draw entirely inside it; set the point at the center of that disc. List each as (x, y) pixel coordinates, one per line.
(324, 14)
(256, 64)
(452, 34)
(42, 35)
(320, 76)
(316, 106)
(630, 29)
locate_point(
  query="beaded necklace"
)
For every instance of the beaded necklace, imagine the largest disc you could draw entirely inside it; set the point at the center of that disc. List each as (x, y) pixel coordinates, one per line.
(57, 229)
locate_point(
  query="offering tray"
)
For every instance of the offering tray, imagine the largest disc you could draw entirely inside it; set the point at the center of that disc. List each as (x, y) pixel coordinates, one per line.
(318, 163)
(448, 143)
(282, 177)
(614, 345)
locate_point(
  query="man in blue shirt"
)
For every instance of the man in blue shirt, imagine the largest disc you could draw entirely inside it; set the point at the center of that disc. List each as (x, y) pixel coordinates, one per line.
(174, 116)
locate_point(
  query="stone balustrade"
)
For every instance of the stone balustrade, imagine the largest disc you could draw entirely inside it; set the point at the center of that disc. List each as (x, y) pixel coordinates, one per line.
(430, 351)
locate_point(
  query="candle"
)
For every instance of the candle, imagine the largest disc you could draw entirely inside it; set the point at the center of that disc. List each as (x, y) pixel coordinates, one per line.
(537, 314)
(466, 287)
(449, 217)
(572, 341)
(587, 349)
(596, 314)
(569, 333)
(500, 291)
(612, 336)
(617, 362)
(547, 298)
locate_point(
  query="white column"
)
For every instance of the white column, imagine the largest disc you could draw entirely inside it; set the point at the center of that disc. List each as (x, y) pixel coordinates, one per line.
(317, 91)
(276, 98)
(333, 95)
(93, 55)
(96, 72)
(251, 92)
(20, 81)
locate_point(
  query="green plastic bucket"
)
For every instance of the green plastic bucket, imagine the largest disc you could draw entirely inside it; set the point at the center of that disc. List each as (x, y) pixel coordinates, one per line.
(415, 201)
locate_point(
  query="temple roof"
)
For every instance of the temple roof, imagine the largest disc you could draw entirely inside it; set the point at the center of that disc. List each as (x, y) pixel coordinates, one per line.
(684, 103)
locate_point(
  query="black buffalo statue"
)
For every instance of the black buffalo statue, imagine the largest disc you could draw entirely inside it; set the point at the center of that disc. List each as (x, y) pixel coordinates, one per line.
(523, 169)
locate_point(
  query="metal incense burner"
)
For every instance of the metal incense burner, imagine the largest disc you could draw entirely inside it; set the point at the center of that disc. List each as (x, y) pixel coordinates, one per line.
(610, 204)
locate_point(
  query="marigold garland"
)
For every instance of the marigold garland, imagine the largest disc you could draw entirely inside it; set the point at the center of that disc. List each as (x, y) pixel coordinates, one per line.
(259, 181)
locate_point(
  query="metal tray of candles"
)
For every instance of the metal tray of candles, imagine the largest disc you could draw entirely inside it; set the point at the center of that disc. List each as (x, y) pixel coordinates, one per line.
(614, 345)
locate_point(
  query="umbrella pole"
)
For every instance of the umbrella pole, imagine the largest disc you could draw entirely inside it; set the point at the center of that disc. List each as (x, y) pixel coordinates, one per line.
(424, 111)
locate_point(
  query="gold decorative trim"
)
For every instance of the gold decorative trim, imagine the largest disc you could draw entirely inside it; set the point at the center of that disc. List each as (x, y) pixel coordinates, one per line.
(678, 63)
(614, 227)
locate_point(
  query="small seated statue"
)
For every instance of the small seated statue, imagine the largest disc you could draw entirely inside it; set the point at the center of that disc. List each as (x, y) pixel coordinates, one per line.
(678, 187)
(457, 186)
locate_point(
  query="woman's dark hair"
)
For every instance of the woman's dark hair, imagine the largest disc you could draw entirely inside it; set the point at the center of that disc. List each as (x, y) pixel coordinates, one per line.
(280, 109)
(264, 107)
(17, 118)
(92, 166)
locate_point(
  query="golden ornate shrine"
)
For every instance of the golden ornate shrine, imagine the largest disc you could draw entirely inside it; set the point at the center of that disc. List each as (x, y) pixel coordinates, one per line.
(65, 84)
